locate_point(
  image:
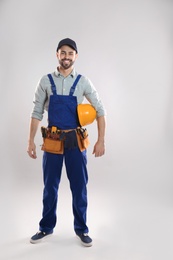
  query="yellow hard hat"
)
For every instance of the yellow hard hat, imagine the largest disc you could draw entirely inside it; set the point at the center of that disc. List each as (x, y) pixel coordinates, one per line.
(86, 114)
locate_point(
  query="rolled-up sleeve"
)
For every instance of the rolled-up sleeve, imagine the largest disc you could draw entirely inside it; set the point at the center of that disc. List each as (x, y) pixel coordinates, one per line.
(39, 101)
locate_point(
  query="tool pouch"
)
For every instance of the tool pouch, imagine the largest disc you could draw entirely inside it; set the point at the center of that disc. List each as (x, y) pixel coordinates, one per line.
(82, 138)
(53, 140)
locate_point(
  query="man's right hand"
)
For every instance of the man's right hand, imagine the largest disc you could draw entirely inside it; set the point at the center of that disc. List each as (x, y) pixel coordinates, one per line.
(32, 150)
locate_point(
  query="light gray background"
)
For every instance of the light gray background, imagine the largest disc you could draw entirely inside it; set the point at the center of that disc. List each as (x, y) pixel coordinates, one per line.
(125, 48)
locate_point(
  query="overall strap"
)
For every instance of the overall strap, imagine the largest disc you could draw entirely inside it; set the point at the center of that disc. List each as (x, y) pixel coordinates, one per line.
(74, 85)
(52, 84)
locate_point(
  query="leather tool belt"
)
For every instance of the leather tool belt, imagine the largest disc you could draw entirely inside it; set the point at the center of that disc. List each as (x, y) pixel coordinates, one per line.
(55, 140)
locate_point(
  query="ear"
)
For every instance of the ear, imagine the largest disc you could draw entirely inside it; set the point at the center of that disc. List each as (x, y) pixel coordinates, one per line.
(57, 54)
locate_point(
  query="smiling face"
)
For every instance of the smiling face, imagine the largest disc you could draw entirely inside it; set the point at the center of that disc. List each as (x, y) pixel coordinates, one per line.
(66, 56)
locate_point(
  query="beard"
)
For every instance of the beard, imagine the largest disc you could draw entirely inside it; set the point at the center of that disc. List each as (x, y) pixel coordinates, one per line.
(66, 63)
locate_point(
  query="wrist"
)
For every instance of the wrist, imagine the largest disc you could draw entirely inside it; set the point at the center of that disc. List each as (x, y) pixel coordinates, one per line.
(30, 141)
(101, 141)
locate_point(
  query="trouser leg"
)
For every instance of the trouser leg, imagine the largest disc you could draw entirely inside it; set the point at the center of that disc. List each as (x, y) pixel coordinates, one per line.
(52, 167)
(76, 162)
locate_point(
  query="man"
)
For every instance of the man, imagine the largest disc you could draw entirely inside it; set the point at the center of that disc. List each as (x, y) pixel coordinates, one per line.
(62, 114)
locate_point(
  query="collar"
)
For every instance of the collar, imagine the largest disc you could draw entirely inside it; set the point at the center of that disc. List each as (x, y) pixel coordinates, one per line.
(58, 74)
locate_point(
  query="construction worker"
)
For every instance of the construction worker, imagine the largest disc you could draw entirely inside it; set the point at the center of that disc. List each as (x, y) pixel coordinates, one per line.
(60, 93)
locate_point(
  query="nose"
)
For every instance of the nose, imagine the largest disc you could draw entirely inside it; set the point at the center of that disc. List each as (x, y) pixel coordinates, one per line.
(66, 56)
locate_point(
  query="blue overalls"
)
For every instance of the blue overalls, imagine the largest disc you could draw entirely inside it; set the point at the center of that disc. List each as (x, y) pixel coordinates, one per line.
(62, 113)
